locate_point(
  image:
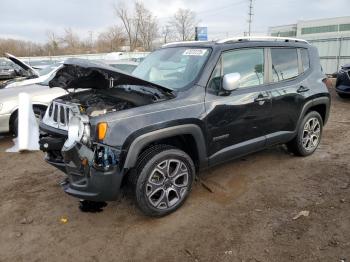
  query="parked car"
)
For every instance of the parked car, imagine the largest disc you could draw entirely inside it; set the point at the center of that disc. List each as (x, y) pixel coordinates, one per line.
(41, 95)
(23, 71)
(33, 76)
(125, 66)
(342, 85)
(186, 107)
(8, 70)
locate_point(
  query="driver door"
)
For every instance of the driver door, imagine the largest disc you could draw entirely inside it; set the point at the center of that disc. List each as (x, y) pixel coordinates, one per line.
(237, 120)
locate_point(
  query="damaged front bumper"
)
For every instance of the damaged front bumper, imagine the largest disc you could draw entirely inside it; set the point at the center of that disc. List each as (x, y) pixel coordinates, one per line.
(92, 174)
(87, 179)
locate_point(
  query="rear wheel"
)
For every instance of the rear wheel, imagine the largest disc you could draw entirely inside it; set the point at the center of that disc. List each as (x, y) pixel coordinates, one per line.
(163, 180)
(309, 135)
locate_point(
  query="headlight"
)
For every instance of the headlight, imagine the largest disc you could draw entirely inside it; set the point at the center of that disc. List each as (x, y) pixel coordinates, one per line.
(78, 131)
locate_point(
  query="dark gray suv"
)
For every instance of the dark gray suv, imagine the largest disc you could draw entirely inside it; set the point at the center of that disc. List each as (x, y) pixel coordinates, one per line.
(186, 107)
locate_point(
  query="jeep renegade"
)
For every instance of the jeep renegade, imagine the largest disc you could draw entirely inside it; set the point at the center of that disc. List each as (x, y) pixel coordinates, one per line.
(186, 107)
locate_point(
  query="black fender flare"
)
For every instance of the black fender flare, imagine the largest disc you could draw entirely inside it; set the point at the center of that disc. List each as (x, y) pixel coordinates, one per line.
(187, 129)
(314, 102)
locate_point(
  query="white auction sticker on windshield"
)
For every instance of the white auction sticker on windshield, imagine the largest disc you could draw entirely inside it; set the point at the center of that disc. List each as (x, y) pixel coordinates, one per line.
(195, 52)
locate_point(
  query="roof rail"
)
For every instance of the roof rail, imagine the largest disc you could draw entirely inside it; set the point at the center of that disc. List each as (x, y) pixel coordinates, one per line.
(183, 42)
(261, 38)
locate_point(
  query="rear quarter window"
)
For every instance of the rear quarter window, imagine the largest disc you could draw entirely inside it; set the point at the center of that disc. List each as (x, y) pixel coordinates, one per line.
(284, 63)
(305, 60)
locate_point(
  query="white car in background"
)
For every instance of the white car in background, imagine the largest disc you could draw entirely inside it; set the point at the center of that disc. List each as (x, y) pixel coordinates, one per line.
(41, 96)
(33, 76)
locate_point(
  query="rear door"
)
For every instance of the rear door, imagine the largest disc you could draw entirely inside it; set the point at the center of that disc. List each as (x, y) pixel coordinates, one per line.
(236, 121)
(288, 67)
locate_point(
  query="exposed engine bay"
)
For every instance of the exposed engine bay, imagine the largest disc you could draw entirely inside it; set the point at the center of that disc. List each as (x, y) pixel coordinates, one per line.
(72, 113)
(97, 102)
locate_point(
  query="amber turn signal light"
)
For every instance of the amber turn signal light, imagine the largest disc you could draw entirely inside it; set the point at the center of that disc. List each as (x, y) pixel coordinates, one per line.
(102, 130)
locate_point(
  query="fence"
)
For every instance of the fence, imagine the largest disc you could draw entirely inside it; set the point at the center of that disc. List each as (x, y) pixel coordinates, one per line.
(334, 52)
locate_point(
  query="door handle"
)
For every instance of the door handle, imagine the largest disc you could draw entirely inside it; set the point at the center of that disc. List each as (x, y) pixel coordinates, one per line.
(303, 89)
(262, 98)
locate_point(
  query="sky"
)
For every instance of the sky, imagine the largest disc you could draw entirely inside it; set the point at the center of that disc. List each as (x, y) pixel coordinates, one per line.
(31, 19)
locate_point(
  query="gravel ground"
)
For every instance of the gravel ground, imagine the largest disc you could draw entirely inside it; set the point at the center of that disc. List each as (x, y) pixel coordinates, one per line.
(248, 216)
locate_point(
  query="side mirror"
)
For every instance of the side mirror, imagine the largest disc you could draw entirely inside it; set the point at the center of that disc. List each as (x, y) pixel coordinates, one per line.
(231, 82)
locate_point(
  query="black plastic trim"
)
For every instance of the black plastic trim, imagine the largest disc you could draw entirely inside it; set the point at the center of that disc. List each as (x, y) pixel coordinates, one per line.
(189, 129)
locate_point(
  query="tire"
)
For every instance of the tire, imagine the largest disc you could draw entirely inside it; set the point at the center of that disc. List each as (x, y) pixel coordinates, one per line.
(158, 191)
(309, 135)
(343, 95)
(39, 114)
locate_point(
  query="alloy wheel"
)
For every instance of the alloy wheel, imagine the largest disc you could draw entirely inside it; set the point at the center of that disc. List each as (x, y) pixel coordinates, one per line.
(311, 134)
(168, 184)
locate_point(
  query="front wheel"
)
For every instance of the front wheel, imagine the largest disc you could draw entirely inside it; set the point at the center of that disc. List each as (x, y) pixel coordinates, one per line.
(164, 178)
(309, 135)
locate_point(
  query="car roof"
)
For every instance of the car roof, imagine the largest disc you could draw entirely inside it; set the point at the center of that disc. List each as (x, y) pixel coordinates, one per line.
(242, 41)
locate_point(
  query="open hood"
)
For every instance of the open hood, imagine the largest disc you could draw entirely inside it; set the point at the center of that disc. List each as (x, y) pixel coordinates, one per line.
(24, 66)
(84, 74)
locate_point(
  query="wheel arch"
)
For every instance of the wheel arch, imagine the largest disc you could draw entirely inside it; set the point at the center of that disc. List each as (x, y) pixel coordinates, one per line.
(320, 105)
(14, 113)
(188, 137)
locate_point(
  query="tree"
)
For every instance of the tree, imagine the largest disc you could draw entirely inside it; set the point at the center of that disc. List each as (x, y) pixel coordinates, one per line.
(111, 39)
(167, 34)
(123, 14)
(140, 25)
(184, 23)
(71, 41)
(52, 45)
(147, 26)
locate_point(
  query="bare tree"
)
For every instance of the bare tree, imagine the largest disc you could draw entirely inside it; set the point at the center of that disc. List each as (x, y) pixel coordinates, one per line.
(147, 26)
(128, 22)
(184, 23)
(71, 40)
(140, 25)
(52, 44)
(168, 33)
(111, 39)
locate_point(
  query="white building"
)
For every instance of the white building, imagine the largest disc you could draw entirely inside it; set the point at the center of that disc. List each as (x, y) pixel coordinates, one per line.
(331, 36)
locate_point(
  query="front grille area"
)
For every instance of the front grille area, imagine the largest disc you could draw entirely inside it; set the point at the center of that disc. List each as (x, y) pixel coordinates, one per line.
(59, 113)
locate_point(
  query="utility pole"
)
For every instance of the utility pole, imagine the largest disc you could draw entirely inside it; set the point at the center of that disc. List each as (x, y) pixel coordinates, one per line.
(250, 15)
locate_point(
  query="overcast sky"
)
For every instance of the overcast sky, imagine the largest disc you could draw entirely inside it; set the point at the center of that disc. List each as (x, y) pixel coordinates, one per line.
(31, 19)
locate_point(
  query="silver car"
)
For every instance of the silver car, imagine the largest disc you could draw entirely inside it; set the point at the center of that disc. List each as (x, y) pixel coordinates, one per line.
(30, 75)
(41, 95)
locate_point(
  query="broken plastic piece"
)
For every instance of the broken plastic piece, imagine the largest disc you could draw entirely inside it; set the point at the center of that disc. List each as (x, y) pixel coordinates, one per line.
(64, 220)
(304, 213)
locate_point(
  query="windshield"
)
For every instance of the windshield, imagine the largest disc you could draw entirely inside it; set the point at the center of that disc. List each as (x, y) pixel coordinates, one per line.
(172, 67)
(48, 69)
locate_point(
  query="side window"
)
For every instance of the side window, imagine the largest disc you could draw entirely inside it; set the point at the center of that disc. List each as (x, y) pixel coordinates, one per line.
(284, 63)
(248, 62)
(305, 61)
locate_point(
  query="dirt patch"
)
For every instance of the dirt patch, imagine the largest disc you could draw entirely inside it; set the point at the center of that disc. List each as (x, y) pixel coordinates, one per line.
(248, 216)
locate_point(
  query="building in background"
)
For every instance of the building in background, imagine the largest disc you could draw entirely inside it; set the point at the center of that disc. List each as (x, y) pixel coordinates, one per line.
(331, 36)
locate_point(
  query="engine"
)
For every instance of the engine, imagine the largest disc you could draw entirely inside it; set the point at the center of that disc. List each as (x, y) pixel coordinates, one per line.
(97, 104)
